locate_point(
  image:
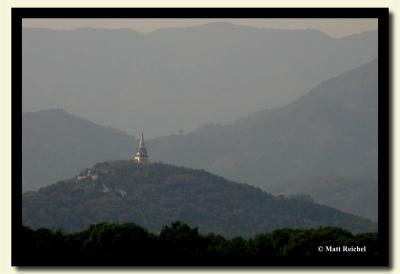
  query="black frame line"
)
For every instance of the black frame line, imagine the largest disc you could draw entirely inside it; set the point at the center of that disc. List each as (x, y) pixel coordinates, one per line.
(382, 14)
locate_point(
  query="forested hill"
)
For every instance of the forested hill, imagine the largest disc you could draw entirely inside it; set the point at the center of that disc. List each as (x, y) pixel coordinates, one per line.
(329, 133)
(158, 194)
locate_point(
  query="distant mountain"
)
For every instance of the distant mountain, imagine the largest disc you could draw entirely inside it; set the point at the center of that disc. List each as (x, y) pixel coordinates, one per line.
(324, 145)
(357, 196)
(56, 145)
(174, 79)
(331, 131)
(154, 195)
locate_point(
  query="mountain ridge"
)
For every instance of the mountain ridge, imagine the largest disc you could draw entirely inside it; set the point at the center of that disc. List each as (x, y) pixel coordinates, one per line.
(279, 128)
(331, 131)
(211, 74)
(348, 128)
(69, 142)
(153, 195)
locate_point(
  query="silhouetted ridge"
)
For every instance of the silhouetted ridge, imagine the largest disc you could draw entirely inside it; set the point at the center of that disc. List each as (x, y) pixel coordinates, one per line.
(180, 244)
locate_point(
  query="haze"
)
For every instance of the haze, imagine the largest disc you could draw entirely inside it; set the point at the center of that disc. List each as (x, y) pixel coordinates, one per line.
(332, 27)
(174, 79)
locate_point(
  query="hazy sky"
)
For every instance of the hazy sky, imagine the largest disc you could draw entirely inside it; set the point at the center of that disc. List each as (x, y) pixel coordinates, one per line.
(334, 27)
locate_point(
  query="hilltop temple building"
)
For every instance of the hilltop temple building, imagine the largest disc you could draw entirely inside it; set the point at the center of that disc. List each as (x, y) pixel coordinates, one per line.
(141, 156)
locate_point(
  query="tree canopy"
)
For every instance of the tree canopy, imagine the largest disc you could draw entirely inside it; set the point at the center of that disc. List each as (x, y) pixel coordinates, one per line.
(179, 244)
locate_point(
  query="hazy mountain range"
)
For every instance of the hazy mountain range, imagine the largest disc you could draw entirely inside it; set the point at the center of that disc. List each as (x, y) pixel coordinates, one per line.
(174, 79)
(332, 130)
(323, 144)
(155, 195)
(358, 196)
(57, 145)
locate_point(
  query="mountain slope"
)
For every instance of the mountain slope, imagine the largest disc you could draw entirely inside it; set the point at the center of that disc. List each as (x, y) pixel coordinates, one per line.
(56, 145)
(357, 196)
(211, 73)
(331, 131)
(157, 194)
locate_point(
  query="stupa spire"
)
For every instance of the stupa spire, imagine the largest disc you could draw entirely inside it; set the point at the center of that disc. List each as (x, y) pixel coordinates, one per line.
(141, 156)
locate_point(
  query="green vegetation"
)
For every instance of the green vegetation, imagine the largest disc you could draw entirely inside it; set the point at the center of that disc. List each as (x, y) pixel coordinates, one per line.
(130, 244)
(158, 194)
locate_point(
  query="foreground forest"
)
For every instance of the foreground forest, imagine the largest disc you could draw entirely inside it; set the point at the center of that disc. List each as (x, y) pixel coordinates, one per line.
(180, 244)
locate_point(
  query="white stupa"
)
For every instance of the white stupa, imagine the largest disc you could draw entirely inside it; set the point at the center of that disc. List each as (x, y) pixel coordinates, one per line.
(141, 156)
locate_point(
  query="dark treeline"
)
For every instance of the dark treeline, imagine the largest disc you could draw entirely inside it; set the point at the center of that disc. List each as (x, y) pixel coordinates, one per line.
(179, 244)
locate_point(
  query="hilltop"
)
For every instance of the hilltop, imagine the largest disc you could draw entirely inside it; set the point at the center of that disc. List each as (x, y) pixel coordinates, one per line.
(157, 194)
